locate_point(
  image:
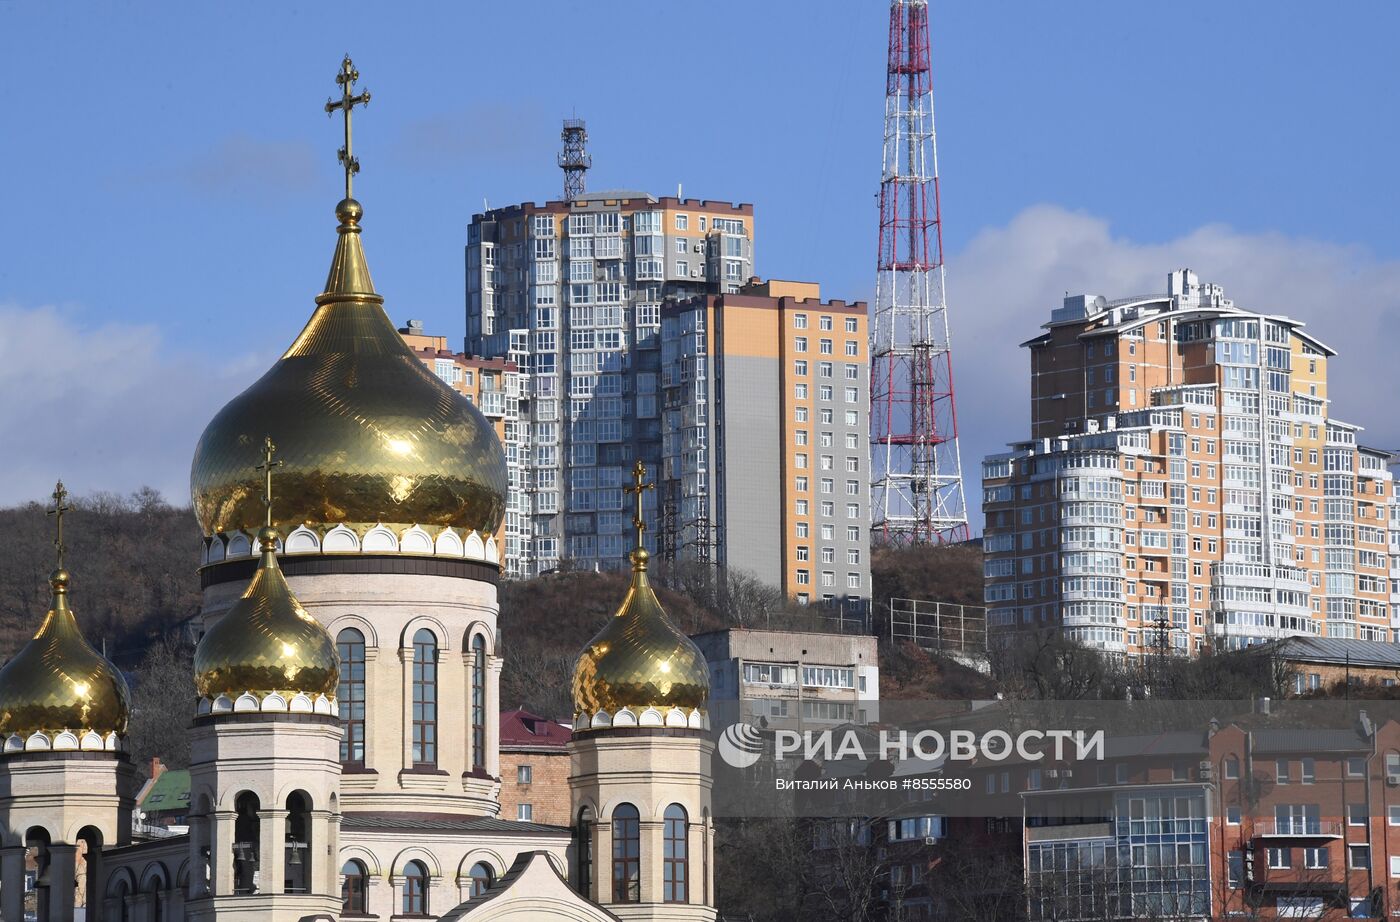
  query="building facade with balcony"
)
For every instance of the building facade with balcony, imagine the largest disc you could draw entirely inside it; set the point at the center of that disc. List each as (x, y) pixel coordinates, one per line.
(571, 292)
(765, 446)
(1186, 484)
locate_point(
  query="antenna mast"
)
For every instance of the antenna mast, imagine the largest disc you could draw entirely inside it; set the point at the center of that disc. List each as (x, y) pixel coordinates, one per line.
(917, 490)
(574, 159)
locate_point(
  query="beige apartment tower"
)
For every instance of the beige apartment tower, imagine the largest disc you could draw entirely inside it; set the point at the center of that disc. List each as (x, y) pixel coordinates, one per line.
(1186, 485)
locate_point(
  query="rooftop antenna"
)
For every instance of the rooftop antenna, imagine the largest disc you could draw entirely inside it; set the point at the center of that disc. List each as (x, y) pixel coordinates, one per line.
(574, 159)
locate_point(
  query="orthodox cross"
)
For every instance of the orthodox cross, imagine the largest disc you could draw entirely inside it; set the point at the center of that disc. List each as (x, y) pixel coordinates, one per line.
(639, 473)
(60, 506)
(266, 467)
(347, 101)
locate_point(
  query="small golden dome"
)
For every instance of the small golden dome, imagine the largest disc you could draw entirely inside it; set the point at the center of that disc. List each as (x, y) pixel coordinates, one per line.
(365, 432)
(58, 681)
(266, 642)
(640, 659)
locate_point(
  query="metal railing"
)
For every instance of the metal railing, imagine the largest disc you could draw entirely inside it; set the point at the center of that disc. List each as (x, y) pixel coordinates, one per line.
(942, 626)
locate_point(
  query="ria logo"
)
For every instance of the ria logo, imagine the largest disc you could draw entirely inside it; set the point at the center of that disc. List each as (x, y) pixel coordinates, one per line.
(740, 745)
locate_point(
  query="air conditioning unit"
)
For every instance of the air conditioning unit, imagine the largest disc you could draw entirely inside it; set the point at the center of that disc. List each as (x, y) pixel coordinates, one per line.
(1203, 771)
(1392, 779)
(695, 273)
(699, 247)
(930, 840)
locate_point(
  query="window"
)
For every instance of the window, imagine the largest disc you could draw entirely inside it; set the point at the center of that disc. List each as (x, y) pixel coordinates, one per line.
(682, 222)
(247, 829)
(1309, 771)
(1232, 815)
(851, 325)
(1280, 857)
(825, 322)
(676, 856)
(479, 704)
(1315, 858)
(480, 876)
(1281, 771)
(524, 774)
(415, 889)
(424, 701)
(1359, 857)
(297, 852)
(350, 694)
(524, 812)
(799, 321)
(1356, 814)
(1232, 768)
(352, 888)
(584, 843)
(799, 344)
(627, 853)
(852, 347)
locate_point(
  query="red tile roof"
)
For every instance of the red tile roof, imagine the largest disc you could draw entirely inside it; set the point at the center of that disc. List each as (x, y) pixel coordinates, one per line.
(521, 728)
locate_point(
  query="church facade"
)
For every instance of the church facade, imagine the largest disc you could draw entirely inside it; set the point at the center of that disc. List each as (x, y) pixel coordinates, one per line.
(345, 741)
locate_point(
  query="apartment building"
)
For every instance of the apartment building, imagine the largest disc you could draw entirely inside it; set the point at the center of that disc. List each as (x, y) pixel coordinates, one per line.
(765, 397)
(571, 292)
(793, 679)
(1186, 484)
(534, 768)
(493, 386)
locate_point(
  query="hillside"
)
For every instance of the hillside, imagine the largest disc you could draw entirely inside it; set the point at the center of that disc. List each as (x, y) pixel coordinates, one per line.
(133, 560)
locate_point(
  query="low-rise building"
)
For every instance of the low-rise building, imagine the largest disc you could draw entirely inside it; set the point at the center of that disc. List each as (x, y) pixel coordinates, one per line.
(534, 768)
(792, 678)
(1320, 662)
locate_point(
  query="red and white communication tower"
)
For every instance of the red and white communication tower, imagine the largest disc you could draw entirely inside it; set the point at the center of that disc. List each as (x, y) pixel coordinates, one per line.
(917, 490)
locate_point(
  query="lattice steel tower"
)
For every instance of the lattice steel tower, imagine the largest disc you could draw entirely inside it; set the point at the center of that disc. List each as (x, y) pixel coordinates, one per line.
(574, 159)
(917, 491)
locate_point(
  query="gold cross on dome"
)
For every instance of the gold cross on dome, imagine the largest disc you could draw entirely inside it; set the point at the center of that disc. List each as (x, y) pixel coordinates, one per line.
(639, 474)
(266, 467)
(60, 506)
(347, 101)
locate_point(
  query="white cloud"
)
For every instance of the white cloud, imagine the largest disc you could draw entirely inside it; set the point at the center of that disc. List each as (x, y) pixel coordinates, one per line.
(1003, 285)
(111, 407)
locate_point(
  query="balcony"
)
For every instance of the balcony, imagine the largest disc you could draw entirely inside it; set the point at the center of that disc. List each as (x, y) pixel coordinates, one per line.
(1297, 828)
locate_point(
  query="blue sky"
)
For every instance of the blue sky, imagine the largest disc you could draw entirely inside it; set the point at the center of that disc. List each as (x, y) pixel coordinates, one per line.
(169, 176)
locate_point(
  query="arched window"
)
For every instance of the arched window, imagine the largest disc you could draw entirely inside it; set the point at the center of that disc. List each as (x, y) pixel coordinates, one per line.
(479, 702)
(481, 879)
(153, 888)
(123, 903)
(585, 850)
(677, 854)
(352, 888)
(415, 889)
(247, 833)
(627, 854)
(350, 695)
(424, 699)
(296, 865)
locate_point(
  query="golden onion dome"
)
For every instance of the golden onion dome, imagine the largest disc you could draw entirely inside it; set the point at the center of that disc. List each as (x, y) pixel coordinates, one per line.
(58, 681)
(366, 433)
(640, 659)
(266, 642)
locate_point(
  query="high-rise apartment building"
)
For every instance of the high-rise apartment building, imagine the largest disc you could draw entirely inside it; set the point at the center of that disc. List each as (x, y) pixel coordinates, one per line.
(1186, 484)
(493, 385)
(571, 292)
(764, 452)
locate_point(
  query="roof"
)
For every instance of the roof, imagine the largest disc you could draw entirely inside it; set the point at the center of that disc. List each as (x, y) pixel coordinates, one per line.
(522, 728)
(1336, 650)
(1310, 740)
(404, 821)
(170, 791)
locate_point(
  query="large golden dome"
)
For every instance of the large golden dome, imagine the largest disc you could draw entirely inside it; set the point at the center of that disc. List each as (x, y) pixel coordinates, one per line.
(266, 642)
(58, 681)
(365, 432)
(640, 659)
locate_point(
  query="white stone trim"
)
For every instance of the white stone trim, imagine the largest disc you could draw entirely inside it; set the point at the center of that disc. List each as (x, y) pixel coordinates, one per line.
(417, 541)
(63, 740)
(270, 702)
(302, 541)
(676, 717)
(414, 540)
(340, 540)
